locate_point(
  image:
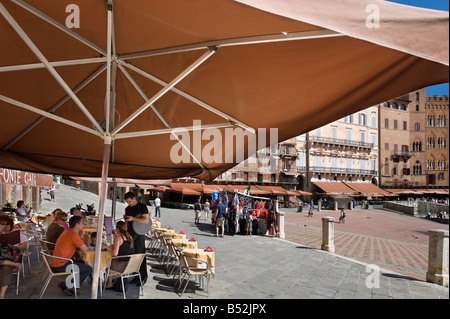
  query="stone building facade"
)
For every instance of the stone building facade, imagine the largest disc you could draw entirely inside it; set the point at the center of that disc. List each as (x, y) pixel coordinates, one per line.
(436, 165)
(402, 141)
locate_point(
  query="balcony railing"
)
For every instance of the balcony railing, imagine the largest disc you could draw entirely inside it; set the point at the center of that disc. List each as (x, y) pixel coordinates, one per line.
(401, 154)
(338, 170)
(339, 141)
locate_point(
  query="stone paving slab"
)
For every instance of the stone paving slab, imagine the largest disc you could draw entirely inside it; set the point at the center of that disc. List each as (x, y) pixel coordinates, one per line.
(251, 267)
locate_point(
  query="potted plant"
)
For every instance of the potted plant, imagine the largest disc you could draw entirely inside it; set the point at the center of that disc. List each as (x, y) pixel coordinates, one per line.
(9, 206)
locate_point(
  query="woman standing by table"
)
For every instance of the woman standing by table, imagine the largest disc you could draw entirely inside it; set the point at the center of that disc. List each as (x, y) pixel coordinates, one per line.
(123, 245)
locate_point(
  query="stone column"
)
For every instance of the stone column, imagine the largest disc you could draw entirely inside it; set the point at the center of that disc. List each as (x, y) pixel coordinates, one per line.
(280, 221)
(328, 234)
(438, 257)
(335, 206)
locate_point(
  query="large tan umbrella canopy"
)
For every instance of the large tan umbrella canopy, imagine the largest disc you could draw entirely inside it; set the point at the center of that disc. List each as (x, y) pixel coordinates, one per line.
(101, 98)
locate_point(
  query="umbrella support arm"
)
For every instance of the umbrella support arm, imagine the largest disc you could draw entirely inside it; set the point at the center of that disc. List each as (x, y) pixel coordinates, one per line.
(55, 107)
(13, 23)
(58, 25)
(187, 96)
(166, 89)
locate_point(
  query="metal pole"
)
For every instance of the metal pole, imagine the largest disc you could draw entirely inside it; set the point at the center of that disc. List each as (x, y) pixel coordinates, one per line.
(106, 157)
(103, 195)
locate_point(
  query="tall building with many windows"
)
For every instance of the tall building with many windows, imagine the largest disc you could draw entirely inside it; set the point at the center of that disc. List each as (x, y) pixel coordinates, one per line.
(436, 134)
(402, 141)
(344, 150)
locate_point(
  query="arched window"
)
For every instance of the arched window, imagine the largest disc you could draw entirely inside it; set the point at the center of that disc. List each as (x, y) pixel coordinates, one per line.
(417, 97)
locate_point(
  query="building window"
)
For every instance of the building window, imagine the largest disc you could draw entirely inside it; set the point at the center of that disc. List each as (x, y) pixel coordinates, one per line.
(386, 146)
(386, 104)
(417, 97)
(417, 126)
(362, 119)
(395, 124)
(386, 123)
(405, 125)
(417, 146)
(403, 107)
(374, 120)
(417, 108)
(395, 106)
(349, 135)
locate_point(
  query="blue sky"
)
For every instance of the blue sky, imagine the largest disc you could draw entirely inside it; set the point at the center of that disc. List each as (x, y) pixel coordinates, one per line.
(441, 89)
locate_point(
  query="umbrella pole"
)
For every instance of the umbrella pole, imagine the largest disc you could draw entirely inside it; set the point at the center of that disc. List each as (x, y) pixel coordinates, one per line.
(103, 194)
(106, 157)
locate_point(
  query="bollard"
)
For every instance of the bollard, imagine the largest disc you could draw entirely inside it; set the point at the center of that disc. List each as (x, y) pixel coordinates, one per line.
(280, 221)
(328, 234)
(438, 257)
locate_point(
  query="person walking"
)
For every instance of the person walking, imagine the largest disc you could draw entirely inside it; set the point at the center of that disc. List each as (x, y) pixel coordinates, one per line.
(52, 193)
(198, 211)
(158, 207)
(342, 217)
(137, 213)
(206, 206)
(220, 217)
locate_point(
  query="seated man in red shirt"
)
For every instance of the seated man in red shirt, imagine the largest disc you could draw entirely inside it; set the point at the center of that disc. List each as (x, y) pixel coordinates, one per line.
(65, 246)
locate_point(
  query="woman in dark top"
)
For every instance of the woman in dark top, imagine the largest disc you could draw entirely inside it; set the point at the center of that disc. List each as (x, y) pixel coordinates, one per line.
(123, 245)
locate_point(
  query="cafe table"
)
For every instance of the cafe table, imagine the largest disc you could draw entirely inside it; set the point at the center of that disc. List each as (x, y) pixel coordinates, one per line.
(156, 223)
(165, 231)
(42, 219)
(25, 225)
(176, 235)
(89, 256)
(207, 256)
(185, 243)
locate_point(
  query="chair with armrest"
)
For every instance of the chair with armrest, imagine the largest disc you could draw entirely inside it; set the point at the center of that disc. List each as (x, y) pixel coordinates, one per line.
(131, 270)
(191, 266)
(47, 256)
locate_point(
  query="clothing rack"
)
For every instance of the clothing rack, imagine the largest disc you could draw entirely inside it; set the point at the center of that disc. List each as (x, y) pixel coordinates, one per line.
(252, 196)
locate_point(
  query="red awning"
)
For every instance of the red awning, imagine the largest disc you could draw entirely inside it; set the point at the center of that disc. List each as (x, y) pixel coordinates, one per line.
(335, 188)
(273, 190)
(366, 189)
(12, 176)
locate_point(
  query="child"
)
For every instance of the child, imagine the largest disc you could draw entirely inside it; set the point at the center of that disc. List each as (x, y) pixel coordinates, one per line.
(93, 240)
(249, 225)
